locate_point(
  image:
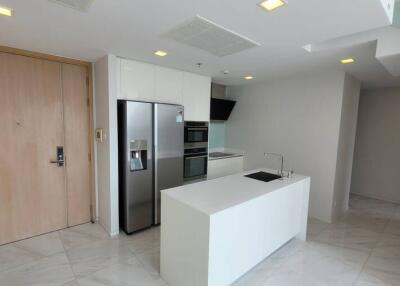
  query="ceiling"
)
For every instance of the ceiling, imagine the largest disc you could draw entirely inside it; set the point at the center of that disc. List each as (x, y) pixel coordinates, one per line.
(134, 29)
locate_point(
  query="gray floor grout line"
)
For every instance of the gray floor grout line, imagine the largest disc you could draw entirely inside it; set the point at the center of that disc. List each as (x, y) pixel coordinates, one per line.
(362, 268)
(68, 259)
(37, 255)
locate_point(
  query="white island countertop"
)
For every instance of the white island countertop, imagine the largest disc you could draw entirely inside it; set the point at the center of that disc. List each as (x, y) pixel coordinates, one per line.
(212, 196)
(213, 232)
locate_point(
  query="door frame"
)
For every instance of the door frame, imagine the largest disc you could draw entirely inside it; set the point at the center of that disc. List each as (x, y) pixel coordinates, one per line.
(88, 66)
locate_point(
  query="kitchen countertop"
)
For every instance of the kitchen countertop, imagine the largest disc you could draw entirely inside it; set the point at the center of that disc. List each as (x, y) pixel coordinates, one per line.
(222, 155)
(215, 195)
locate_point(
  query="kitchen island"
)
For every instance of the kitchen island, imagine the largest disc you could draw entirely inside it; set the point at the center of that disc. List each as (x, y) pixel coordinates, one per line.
(215, 231)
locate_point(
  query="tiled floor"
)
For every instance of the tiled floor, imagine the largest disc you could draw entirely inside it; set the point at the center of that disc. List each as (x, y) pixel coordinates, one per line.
(362, 249)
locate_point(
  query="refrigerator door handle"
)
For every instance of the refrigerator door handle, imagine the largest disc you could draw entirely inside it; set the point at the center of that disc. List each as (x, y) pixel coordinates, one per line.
(155, 179)
(155, 160)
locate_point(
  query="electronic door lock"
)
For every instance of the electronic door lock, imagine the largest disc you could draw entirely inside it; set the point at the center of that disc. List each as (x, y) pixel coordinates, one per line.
(60, 157)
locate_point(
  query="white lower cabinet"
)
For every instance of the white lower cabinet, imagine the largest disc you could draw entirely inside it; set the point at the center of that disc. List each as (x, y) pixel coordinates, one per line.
(224, 167)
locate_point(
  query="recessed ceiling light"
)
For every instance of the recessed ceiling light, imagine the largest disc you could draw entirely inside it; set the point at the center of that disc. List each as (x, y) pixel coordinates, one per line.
(248, 77)
(6, 11)
(347, 61)
(270, 5)
(160, 53)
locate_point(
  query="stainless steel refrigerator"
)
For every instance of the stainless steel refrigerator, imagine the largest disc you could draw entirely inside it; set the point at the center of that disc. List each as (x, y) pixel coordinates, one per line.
(150, 148)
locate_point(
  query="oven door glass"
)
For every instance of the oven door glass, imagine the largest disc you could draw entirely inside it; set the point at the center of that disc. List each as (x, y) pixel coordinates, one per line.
(195, 166)
(193, 135)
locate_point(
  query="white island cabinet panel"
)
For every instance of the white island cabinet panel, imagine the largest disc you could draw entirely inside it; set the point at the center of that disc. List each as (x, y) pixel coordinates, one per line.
(224, 167)
(137, 81)
(196, 97)
(213, 232)
(168, 85)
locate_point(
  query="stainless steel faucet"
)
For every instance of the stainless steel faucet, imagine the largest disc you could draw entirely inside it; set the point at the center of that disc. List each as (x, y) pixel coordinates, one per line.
(278, 155)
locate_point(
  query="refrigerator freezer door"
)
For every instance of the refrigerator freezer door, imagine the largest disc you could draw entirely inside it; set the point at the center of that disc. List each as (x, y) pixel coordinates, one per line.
(168, 150)
(135, 123)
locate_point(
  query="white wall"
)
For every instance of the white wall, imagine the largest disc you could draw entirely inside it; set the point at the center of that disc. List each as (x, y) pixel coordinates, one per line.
(298, 117)
(377, 151)
(107, 157)
(347, 136)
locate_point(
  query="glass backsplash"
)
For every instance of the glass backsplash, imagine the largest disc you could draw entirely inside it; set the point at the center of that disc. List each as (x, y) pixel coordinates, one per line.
(216, 135)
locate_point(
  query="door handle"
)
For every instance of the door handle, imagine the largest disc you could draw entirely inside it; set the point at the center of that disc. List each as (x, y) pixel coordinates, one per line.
(57, 161)
(60, 157)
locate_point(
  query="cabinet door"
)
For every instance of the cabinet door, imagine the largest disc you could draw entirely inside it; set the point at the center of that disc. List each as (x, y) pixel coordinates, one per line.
(224, 167)
(168, 86)
(136, 81)
(196, 97)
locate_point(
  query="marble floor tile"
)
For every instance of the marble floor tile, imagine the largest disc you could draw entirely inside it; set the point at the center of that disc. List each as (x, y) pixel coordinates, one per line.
(271, 264)
(49, 271)
(352, 238)
(389, 239)
(290, 248)
(362, 249)
(385, 258)
(393, 226)
(377, 278)
(358, 220)
(71, 283)
(11, 255)
(81, 234)
(259, 273)
(397, 213)
(91, 257)
(148, 234)
(43, 245)
(315, 227)
(144, 241)
(288, 277)
(319, 264)
(131, 273)
(150, 260)
(373, 208)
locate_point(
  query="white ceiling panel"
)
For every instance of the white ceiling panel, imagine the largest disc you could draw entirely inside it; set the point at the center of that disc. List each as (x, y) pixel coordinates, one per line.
(135, 28)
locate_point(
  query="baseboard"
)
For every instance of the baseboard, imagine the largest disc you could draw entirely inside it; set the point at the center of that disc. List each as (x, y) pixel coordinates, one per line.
(376, 198)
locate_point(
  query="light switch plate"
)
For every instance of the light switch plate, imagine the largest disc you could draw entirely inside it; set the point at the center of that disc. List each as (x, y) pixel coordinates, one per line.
(99, 135)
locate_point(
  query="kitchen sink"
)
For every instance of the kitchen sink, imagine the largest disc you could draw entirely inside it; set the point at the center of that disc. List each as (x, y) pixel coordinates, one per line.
(263, 176)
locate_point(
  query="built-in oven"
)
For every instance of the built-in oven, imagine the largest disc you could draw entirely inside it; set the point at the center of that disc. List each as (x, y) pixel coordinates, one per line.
(195, 165)
(196, 150)
(196, 134)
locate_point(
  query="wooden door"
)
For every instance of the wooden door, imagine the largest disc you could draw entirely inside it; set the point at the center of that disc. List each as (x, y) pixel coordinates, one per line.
(43, 104)
(77, 148)
(32, 190)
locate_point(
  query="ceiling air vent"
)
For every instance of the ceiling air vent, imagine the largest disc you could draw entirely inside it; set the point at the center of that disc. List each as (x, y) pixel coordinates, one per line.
(203, 34)
(80, 5)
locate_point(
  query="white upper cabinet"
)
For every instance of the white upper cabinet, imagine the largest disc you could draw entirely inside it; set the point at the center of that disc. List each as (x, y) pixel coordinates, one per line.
(168, 85)
(196, 97)
(147, 82)
(136, 81)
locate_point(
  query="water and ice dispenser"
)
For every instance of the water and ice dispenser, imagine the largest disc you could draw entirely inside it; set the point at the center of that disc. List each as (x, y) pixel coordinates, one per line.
(138, 155)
